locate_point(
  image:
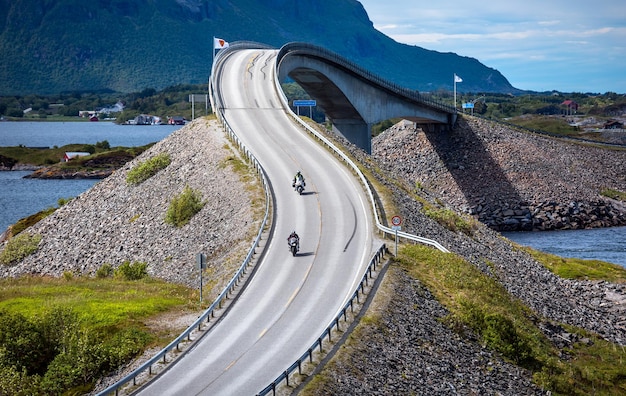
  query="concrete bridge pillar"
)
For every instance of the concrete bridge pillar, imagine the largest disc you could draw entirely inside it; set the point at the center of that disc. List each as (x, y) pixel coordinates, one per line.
(356, 131)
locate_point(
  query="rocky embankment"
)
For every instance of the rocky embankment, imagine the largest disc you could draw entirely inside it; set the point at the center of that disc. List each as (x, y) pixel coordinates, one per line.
(114, 222)
(410, 350)
(415, 353)
(507, 179)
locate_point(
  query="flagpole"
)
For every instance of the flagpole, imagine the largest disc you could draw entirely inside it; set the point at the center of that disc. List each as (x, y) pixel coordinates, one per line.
(213, 52)
(454, 78)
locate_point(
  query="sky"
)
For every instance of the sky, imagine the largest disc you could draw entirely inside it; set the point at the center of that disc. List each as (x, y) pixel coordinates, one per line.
(538, 45)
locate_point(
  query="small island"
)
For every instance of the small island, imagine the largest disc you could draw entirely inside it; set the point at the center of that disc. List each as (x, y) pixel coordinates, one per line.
(73, 161)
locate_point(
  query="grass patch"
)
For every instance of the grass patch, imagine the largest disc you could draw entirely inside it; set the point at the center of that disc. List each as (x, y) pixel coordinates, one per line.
(614, 194)
(556, 125)
(183, 207)
(111, 302)
(58, 336)
(19, 247)
(575, 268)
(504, 324)
(451, 220)
(146, 169)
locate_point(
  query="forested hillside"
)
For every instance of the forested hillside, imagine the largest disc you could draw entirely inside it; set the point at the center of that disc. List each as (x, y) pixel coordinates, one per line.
(129, 45)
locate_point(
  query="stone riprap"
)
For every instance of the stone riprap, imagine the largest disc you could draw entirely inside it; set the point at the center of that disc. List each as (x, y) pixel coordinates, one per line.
(508, 179)
(409, 350)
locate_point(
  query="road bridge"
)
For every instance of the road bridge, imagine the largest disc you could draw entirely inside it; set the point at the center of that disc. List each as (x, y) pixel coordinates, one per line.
(353, 98)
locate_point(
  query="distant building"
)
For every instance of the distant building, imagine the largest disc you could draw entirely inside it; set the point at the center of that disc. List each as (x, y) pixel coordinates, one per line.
(146, 119)
(570, 106)
(70, 155)
(176, 120)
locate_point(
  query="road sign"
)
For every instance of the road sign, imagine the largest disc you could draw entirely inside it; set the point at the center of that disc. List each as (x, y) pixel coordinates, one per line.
(201, 260)
(396, 228)
(396, 220)
(468, 105)
(304, 103)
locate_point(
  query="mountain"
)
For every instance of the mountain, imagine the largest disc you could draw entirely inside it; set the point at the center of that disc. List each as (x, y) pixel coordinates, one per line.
(52, 46)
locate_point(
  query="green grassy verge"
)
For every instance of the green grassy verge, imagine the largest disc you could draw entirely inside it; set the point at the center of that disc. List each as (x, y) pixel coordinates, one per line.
(60, 335)
(614, 194)
(575, 268)
(507, 326)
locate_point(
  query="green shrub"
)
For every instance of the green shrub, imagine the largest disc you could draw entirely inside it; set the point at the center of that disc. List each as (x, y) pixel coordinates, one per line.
(134, 271)
(104, 145)
(23, 344)
(145, 170)
(19, 247)
(105, 271)
(183, 207)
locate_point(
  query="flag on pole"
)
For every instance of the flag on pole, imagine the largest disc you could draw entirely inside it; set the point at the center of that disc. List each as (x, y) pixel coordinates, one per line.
(457, 79)
(219, 43)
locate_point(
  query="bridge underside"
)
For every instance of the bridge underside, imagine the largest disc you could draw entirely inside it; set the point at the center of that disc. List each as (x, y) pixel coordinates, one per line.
(353, 103)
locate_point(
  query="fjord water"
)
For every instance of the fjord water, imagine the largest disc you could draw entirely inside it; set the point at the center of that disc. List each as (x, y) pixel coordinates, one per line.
(21, 197)
(50, 134)
(606, 244)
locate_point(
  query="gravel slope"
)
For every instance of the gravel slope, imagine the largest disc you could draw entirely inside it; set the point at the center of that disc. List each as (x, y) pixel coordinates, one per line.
(114, 222)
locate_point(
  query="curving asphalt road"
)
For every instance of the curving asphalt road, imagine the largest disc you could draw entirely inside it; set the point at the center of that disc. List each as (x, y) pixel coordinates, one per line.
(290, 300)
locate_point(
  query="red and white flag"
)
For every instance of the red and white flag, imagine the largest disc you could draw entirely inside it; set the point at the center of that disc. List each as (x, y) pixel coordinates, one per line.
(218, 43)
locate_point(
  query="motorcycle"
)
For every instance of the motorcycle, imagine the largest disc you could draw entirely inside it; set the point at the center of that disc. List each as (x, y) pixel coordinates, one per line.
(299, 185)
(293, 245)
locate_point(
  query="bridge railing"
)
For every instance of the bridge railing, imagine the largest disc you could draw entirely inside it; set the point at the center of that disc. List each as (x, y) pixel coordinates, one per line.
(311, 50)
(185, 336)
(334, 324)
(354, 167)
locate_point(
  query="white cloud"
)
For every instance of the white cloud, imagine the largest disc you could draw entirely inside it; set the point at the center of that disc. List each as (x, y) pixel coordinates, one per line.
(521, 42)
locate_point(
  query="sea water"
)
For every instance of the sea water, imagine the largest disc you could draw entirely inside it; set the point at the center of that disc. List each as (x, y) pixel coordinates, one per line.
(21, 197)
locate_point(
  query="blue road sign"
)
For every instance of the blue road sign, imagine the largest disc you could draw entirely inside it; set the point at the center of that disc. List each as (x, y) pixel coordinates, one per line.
(304, 103)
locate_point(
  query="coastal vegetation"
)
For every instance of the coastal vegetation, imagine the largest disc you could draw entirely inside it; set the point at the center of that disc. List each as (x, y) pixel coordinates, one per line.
(146, 169)
(477, 301)
(102, 156)
(478, 306)
(19, 247)
(171, 101)
(184, 206)
(58, 336)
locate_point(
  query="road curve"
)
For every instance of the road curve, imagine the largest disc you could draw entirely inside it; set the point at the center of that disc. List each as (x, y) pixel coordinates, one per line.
(290, 300)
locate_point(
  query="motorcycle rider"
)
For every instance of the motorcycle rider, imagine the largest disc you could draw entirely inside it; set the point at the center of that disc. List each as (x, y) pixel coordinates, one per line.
(296, 177)
(293, 235)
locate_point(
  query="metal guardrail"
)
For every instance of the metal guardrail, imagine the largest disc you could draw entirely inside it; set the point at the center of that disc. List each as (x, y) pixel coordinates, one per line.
(366, 185)
(217, 304)
(217, 107)
(308, 355)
